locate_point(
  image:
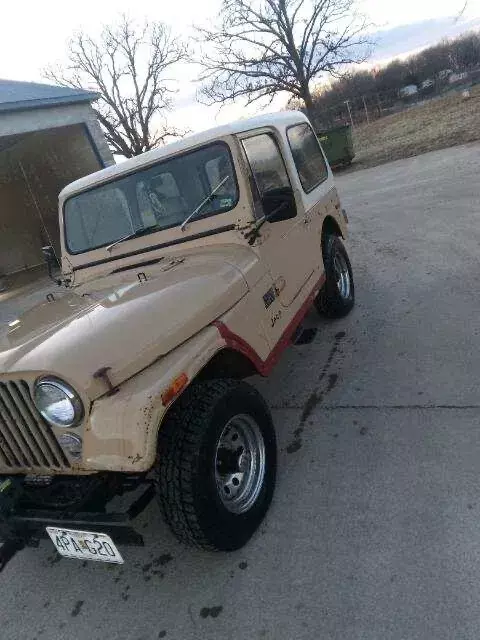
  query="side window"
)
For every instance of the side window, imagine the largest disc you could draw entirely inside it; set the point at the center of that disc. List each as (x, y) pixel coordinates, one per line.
(266, 162)
(307, 155)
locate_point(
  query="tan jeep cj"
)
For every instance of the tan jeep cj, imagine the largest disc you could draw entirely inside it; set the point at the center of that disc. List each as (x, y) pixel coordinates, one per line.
(184, 271)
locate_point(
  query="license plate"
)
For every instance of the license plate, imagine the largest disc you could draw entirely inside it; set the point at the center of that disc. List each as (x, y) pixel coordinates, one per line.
(86, 545)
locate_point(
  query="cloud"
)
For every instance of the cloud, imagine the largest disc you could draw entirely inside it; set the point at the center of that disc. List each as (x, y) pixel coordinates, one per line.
(405, 39)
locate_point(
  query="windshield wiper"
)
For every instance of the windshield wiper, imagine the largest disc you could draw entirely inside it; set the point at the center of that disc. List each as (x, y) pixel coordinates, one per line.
(197, 210)
(130, 236)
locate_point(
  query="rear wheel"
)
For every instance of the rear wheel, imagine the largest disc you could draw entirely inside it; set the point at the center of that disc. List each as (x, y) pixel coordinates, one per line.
(216, 464)
(337, 296)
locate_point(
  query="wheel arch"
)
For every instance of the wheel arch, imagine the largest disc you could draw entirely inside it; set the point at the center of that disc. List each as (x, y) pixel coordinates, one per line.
(330, 227)
(225, 363)
(228, 363)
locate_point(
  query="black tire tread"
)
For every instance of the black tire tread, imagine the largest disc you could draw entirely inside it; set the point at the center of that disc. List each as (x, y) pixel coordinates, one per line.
(179, 442)
(328, 302)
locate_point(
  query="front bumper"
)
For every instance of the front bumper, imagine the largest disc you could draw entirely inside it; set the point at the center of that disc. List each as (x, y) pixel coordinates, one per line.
(23, 517)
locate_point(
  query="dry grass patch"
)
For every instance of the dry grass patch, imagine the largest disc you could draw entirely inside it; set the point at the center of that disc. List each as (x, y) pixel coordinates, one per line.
(437, 124)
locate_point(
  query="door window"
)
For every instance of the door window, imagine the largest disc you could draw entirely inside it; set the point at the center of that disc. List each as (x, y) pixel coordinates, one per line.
(307, 156)
(267, 163)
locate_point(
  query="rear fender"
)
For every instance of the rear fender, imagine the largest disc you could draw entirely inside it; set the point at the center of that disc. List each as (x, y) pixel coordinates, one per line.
(335, 216)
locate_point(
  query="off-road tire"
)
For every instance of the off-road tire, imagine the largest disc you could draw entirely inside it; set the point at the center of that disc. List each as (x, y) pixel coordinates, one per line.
(330, 302)
(185, 468)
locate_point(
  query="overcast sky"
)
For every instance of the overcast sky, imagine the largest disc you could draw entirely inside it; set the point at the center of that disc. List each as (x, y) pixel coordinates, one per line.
(34, 34)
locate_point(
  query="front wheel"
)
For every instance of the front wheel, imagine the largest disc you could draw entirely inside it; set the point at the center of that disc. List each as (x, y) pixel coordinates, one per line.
(216, 464)
(337, 297)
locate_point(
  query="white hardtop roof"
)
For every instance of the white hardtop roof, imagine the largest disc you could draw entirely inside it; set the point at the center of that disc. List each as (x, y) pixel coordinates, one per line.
(283, 118)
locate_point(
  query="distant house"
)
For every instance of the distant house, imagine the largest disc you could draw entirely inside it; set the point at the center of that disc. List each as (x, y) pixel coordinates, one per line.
(49, 136)
(457, 77)
(408, 90)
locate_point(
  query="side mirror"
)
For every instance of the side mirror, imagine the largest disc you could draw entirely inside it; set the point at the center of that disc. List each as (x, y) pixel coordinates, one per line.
(51, 261)
(279, 204)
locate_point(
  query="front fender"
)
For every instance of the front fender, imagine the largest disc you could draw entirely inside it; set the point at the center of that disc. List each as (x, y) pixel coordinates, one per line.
(121, 434)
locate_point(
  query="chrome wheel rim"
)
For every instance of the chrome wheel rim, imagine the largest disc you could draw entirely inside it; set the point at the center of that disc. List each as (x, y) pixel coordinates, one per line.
(342, 275)
(240, 463)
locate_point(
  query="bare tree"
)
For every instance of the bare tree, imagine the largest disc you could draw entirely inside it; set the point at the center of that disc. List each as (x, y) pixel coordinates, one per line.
(465, 51)
(127, 66)
(263, 47)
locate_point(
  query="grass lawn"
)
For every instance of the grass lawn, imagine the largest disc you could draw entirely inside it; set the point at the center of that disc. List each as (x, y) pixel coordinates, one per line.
(439, 123)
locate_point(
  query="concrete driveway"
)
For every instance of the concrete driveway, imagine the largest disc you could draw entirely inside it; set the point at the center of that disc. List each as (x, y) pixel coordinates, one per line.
(374, 532)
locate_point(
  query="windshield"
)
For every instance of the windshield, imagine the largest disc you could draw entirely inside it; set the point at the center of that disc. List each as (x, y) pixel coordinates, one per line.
(156, 198)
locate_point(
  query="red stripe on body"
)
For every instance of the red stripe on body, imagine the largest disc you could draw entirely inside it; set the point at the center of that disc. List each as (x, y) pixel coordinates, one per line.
(264, 367)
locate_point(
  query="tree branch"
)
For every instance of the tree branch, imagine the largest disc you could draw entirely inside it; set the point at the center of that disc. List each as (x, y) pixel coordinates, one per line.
(262, 47)
(127, 65)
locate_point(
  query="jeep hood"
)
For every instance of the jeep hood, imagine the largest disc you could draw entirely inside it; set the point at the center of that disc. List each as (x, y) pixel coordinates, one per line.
(124, 320)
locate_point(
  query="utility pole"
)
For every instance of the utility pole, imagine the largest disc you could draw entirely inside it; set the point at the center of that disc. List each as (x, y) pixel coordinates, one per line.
(366, 110)
(347, 102)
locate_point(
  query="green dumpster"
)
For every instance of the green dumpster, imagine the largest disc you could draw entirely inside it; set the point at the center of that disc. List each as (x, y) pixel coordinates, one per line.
(338, 145)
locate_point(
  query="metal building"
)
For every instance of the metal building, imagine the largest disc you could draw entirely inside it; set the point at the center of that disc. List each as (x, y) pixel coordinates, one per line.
(49, 136)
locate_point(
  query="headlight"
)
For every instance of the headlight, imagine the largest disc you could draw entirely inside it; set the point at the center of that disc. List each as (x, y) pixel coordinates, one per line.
(58, 403)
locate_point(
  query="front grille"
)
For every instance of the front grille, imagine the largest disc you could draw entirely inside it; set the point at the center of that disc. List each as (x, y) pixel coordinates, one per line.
(26, 440)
